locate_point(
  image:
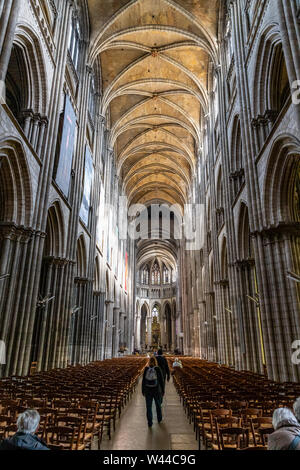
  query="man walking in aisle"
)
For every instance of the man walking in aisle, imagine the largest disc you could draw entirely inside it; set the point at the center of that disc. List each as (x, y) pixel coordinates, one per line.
(163, 364)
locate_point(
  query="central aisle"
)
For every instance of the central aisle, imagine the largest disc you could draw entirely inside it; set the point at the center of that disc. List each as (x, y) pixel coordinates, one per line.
(132, 432)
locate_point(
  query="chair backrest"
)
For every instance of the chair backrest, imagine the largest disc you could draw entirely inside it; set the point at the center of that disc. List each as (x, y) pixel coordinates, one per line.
(5, 419)
(61, 435)
(237, 437)
(10, 429)
(261, 427)
(221, 412)
(251, 413)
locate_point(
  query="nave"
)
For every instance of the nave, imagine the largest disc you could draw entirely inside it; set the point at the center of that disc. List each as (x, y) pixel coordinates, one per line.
(100, 407)
(149, 198)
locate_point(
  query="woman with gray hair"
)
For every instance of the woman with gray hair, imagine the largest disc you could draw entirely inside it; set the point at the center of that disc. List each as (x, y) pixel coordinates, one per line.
(25, 439)
(296, 407)
(287, 431)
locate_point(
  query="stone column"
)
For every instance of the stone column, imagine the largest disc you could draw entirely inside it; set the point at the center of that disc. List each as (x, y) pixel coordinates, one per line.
(14, 243)
(149, 330)
(138, 332)
(40, 141)
(173, 346)
(41, 208)
(94, 327)
(163, 333)
(108, 327)
(8, 23)
(126, 333)
(116, 344)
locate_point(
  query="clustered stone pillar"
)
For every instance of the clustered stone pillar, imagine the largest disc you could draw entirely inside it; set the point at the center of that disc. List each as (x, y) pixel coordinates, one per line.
(8, 23)
(15, 244)
(138, 332)
(108, 327)
(116, 343)
(173, 345)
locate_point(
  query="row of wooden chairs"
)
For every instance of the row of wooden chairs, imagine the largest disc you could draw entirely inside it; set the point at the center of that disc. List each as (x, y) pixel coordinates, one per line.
(229, 408)
(76, 404)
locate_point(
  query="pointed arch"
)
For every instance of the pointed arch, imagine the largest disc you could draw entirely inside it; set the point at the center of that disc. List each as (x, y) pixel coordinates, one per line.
(271, 75)
(55, 232)
(243, 234)
(281, 190)
(236, 145)
(28, 45)
(15, 184)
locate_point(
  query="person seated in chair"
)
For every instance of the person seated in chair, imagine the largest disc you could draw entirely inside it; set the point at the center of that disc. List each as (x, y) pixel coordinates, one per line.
(287, 431)
(177, 363)
(25, 439)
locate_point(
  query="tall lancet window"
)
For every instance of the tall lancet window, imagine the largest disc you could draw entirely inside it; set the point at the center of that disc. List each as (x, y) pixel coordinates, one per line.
(155, 273)
(145, 275)
(74, 45)
(166, 275)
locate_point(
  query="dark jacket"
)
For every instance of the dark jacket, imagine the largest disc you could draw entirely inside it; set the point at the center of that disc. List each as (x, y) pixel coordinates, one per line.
(161, 384)
(23, 441)
(163, 364)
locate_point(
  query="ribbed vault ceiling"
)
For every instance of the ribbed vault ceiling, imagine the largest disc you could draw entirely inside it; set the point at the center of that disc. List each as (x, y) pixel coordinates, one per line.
(155, 57)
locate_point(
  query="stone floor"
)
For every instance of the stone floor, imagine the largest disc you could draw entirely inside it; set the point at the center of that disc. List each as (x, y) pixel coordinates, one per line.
(132, 432)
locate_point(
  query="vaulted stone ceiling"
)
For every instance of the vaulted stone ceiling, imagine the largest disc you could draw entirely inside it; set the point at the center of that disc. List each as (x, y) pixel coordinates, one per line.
(155, 59)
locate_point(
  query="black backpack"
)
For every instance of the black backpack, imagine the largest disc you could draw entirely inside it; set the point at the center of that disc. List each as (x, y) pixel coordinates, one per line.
(151, 378)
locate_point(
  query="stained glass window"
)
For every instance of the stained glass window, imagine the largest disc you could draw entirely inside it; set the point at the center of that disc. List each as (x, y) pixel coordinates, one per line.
(166, 275)
(155, 312)
(155, 274)
(145, 276)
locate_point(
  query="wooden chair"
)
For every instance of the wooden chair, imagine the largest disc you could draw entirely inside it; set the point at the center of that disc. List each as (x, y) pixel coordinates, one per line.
(10, 431)
(226, 422)
(62, 436)
(204, 423)
(249, 413)
(260, 428)
(233, 438)
(5, 421)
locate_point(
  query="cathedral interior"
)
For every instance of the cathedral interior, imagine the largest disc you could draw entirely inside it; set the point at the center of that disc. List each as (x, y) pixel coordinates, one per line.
(150, 187)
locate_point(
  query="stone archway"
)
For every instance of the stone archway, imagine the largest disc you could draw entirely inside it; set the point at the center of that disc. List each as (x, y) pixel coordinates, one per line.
(155, 327)
(143, 327)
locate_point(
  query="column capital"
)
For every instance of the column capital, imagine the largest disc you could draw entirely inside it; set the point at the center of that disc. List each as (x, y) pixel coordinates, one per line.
(97, 293)
(244, 263)
(81, 280)
(279, 230)
(89, 69)
(14, 232)
(57, 261)
(101, 118)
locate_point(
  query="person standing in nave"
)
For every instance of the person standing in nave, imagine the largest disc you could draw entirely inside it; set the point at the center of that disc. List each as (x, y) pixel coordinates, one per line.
(163, 364)
(153, 388)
